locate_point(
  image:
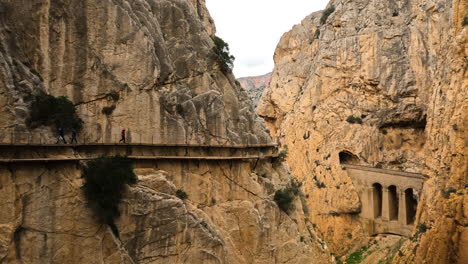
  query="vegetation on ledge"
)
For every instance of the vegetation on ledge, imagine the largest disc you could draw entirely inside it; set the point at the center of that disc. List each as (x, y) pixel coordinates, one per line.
(49, 110)
(285, 197)
(225, 59)
(105, 180)
(326, 14)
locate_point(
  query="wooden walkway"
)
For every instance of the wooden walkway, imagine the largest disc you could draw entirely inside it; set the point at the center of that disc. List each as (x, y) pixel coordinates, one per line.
(141, 158)
(240, 146)
(30, 153)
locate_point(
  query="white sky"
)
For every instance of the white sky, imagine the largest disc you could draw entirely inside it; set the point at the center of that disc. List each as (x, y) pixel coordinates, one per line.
(253, 28)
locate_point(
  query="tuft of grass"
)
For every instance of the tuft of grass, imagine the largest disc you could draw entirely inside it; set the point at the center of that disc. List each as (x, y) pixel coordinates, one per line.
(108, 110)
(48, 110)
(356, 257)
(182, 195)
(105, 180)
(326, 14)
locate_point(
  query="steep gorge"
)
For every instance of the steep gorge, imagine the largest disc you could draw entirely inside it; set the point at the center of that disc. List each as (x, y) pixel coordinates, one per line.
(385, 82)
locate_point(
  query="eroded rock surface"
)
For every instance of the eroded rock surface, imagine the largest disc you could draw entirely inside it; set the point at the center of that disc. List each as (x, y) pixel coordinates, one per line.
(157, 55)
(229, 217)
(385, 83)
(255, 85)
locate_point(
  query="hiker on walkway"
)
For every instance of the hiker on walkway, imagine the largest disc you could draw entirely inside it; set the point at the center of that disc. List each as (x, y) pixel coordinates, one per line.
(123, 136)
(73, 138)
(61, 136)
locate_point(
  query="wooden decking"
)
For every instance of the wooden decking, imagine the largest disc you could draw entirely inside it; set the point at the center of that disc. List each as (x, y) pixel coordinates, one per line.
(140, 158)
(30, 153)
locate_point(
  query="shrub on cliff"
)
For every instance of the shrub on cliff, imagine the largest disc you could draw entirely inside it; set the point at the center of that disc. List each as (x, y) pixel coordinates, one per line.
(225, 60)
(108, 110)
(354, 120)
(105, 179)
(181, 194)
(326, 14)
(285, 197)
(49, 110)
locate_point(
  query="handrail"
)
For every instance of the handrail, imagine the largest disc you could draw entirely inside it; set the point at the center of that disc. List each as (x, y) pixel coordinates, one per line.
(27, 160)
(92, 139)
(386, 171)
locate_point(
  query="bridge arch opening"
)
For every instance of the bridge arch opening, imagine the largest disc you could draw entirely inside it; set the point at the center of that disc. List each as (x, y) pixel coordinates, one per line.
(393, 202)
(347, 157)
(411, 206)
(377, 199)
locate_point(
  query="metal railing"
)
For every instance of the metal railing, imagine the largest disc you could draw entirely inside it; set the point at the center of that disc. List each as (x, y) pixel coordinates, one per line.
(89, 137)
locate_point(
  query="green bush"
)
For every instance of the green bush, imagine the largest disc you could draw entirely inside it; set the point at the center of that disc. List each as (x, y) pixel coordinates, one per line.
(420, 229)
(326, 14)
(181, 194)
(356, 257)
(49, 110)
(465, 21)
(284, 198)
(354, 120)
(108, 110)
(225, 60)
(105, 179)
(283, 154)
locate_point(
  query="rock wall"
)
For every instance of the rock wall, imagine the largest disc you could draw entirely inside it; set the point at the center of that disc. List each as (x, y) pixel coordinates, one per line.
(254, 86)
(158, 55)
(229, 217)
(383, 82)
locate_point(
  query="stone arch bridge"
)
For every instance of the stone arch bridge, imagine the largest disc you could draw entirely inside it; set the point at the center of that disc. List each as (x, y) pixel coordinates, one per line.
(389, 198)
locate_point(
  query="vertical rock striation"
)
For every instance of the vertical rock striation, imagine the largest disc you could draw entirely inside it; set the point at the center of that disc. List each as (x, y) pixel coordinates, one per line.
(157, 55)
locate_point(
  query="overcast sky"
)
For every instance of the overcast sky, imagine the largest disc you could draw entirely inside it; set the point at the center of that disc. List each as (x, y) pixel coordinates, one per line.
(253, 28)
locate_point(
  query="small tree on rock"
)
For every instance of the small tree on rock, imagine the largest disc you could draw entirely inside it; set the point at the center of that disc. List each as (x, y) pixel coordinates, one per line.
(221, 49)
(105, 179)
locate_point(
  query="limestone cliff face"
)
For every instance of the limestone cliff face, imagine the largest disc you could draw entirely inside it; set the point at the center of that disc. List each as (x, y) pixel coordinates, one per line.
(396, 70)
(254, 86)
(158, 55)
(229, 217)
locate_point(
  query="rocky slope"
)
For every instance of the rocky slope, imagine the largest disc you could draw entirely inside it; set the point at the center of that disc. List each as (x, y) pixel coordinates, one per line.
(254, 86)
(386, 82)
(229, 217)
(158, 56)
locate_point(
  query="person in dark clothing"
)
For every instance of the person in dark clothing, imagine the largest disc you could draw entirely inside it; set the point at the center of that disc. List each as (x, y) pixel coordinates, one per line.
(61, 136)
(123, 136)
(73, 138)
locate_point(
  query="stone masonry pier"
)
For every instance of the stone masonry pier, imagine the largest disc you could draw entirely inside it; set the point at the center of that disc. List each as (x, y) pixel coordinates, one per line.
(389, 198)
